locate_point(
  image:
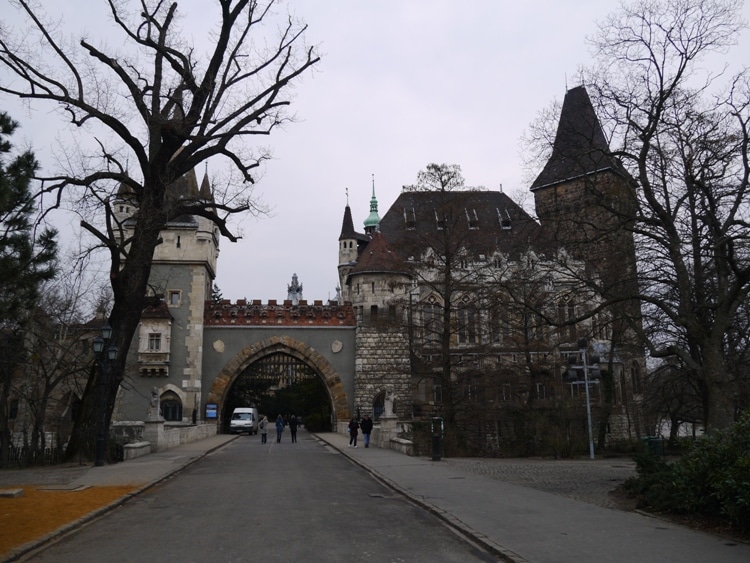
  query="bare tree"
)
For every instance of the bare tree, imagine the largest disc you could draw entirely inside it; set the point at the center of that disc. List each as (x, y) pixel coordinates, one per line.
(686, 148)
(155, 111)
(679, 138)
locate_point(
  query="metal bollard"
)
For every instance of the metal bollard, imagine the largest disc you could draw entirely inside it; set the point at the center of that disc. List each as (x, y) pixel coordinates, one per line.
(436, 447)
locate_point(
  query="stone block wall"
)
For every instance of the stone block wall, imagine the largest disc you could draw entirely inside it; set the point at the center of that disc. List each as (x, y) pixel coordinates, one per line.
(382, 363)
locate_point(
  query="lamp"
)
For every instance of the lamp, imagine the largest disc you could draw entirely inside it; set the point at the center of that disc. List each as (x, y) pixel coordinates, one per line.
(105, 354)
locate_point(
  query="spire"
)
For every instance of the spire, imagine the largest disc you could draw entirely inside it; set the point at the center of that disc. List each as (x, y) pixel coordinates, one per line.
(373, 219)
(205, 193)
(580, 145)
(347, 226)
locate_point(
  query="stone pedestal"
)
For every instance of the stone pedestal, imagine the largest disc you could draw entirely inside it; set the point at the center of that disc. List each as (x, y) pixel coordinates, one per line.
(388, 428)
(153, 433)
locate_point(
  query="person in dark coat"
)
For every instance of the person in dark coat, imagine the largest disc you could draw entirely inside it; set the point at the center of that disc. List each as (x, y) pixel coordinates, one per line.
(263, 430)
(293, 423)
(366, 430)
(353, 431)
(279, 428)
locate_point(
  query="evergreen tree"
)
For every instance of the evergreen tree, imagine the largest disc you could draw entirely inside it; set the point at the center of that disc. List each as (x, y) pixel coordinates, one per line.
(25, 263)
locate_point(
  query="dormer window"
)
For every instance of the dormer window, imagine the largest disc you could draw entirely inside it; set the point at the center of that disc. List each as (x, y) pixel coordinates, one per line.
(504, 218)
(472, 218)
(440, 221)
(410, 219)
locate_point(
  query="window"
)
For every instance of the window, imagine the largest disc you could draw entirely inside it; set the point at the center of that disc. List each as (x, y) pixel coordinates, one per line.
(373, 313)
(178, 241)
(541, 391)
(433, 322)
(467, 324)
(174, 298)
(507, 395)
(441, 221)
(154, 342)
(171, 409)
(437, 394)
(410, 219)
(495, 324)
(471, 217)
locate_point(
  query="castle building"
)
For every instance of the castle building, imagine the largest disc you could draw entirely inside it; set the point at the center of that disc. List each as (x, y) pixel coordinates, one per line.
(454, 301)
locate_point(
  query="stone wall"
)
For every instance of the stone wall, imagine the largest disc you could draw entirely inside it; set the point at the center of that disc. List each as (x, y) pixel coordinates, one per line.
(382, 363)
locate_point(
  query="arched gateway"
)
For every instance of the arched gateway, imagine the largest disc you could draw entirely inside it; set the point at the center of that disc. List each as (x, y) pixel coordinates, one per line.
(237, 335)
(286, 345)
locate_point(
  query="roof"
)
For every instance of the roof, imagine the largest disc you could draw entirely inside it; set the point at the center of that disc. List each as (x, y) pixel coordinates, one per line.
(479, 221)
(347, 228)
(158, 311)
(379, 256)
(580, 146)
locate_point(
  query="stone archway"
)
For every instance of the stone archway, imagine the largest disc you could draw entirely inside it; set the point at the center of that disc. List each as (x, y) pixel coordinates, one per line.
(287, 345)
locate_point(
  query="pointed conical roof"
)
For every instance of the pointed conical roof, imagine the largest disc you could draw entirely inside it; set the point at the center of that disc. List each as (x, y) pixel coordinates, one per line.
(347, 226)
(580, 145)
(205, 193)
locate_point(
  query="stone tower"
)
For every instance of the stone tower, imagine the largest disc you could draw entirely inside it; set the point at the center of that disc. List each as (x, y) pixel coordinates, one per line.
(169, 348)
(350, 245)
(585, 201)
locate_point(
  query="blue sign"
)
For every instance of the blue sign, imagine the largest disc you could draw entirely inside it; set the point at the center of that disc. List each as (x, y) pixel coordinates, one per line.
(211, 410)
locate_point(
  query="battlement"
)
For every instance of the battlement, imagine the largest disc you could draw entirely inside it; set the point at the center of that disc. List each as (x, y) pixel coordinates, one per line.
(256, 313)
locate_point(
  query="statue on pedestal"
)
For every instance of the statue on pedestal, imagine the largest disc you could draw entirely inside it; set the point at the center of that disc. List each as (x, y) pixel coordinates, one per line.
(389, 398)
(153, 411)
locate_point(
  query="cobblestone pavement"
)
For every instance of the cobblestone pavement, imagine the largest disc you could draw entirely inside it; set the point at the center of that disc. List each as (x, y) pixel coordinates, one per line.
(587, 480)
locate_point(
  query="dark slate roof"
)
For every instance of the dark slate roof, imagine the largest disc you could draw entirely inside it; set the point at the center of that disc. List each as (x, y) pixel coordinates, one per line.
(379, 256)
(347, 228)
(480, 221)
(580, 145)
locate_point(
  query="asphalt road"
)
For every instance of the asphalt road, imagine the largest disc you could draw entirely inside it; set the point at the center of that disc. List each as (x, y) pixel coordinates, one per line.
(275, 502)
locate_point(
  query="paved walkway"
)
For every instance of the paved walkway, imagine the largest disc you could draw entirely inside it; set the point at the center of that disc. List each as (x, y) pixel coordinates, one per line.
(522, 510)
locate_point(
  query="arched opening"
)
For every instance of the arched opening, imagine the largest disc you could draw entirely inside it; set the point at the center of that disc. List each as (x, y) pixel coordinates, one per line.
(170, 407)
(378, 406)
(252, 353)
(281, 384)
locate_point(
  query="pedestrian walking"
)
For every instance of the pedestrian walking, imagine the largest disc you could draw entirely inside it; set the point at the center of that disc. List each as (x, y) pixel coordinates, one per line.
(279, 428)
(293, 423)
(353, 431)
(366, 430)
(263, 430)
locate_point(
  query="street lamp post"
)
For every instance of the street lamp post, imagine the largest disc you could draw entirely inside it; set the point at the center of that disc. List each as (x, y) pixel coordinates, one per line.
(105, 353)
(583, 346)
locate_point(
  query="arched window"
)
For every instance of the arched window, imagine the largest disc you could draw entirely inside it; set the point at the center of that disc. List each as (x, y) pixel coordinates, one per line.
(171, 407)
(635, 378)
(378, 406)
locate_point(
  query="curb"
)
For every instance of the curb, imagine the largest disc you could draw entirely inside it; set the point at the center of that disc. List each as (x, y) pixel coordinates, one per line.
(28, 547)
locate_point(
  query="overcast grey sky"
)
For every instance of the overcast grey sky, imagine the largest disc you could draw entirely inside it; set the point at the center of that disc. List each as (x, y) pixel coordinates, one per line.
(401, 84)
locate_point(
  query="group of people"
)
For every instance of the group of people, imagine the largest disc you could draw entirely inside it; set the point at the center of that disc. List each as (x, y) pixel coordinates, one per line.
(354, 427)
(280, 425)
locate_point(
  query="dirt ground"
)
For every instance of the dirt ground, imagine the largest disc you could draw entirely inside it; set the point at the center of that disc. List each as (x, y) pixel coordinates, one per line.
(39, 512)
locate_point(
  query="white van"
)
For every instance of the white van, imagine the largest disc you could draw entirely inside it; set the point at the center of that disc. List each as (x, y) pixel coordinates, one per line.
(244, 419)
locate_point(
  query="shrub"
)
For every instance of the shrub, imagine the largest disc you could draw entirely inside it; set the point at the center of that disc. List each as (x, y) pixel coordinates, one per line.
(712, 479)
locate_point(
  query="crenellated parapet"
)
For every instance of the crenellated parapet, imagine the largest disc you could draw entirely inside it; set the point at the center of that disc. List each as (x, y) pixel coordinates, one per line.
(273, 313)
